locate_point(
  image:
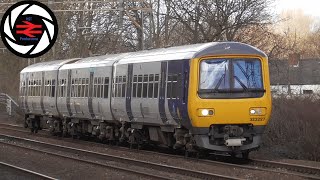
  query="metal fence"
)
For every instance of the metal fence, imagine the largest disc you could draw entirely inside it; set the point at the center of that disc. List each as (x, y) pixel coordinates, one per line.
(12, 107)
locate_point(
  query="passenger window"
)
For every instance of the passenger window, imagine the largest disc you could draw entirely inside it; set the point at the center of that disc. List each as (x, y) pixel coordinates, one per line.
(134, 86)
(53, 90)
(124, 81)
(119, 86)
(175, 87)
(98, 87)
(95, 87)
(169, 87)
(156, 86)
(139, 88)
(150, 88)
(106, 87)
(145, 86)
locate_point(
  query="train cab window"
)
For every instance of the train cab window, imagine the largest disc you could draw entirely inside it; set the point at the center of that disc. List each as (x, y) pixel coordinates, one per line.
(106, 87)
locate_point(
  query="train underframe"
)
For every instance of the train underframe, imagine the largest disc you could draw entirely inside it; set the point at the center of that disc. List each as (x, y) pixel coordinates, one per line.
(231, 139)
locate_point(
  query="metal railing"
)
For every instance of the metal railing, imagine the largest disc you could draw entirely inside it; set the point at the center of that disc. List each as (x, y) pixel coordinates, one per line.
(12, 107)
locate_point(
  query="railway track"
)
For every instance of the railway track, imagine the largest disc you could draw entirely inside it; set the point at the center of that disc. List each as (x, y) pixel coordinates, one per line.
(252, 164)
(165, 169)
(29, 173)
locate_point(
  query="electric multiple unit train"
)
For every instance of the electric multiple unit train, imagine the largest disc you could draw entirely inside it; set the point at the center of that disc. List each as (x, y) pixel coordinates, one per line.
(212, 97)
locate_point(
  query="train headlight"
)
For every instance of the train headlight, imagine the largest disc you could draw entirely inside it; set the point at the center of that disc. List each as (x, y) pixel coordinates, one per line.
(257, 111)
(205, 112)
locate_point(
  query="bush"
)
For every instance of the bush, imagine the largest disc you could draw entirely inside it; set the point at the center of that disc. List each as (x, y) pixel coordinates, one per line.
(294, 128)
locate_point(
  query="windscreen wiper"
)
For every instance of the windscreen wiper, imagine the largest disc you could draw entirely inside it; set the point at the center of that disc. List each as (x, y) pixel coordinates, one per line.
(241, 83)
(219, 82)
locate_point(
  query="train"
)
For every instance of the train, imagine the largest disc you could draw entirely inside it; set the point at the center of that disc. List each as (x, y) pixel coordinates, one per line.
(210, 97)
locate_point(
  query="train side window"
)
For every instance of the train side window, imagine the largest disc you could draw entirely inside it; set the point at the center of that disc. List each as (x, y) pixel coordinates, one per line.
(79, 87)
(39, 88)
(172, 86)
(169, 86)
(150, 87)
(49, 88)
(145, 86)
(63, 94)
(35, 88)
(98, 87)
(115, 87)
(139, 88)
(95, 87)
(175, 87)
(106, 87)
(156, 86)
(134, 86)
(83, 85)
(53, 89)
(31, 86)
(59, 88)
(124, 81)
(72, 87)
(120, 86)
(86, 92)
(75, 87)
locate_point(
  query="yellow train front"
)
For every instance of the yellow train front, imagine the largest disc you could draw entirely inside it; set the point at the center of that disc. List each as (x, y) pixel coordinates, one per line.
(229, 101)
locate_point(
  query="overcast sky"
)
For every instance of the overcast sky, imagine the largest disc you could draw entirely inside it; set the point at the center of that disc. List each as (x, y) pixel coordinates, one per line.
(310, 7)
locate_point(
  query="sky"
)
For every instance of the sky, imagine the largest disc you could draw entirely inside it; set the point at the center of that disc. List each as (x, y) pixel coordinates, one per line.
(310, 7)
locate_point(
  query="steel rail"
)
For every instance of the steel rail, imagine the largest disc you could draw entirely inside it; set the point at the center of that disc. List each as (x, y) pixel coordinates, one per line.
(145, 164)
(27, 171)
(288, 166)
(253, 164)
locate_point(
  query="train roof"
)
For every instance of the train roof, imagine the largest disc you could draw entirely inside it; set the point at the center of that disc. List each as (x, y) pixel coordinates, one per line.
(96, 61)
(191, 51)
(48, 65)
(161, 54)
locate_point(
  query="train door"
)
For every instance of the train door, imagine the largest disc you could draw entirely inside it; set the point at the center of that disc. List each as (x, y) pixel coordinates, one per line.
(162, 92)
(145, 92)
(174, 91)
(118, 101)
